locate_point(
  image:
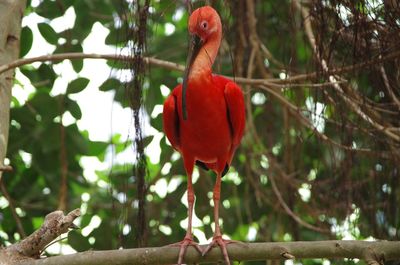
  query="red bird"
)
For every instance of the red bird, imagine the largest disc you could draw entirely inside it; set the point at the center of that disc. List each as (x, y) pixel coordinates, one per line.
(204, 118)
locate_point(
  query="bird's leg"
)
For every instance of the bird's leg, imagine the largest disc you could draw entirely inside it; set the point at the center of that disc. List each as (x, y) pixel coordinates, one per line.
(217, 238)
(188, 239)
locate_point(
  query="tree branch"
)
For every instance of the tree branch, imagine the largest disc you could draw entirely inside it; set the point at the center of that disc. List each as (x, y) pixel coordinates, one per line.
(63, 194)
(289, 211)
(371, 252)
(10, 20)
(272, 82)
(333, 79)
(76, 55)
(18, 222)
(55, 224)
(297, 112)
(388, 87)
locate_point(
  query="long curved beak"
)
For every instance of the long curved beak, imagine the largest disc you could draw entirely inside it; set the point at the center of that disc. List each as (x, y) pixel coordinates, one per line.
(195, 45)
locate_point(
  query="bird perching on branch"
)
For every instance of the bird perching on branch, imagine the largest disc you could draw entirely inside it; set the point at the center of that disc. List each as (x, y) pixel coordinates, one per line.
(204, 118)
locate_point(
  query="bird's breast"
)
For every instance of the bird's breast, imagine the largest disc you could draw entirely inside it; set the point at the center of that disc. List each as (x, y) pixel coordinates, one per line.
(206, 133)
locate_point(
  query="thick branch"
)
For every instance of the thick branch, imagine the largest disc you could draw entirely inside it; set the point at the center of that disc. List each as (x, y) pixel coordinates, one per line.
(368, 251)
(10, 30)
(55, 224)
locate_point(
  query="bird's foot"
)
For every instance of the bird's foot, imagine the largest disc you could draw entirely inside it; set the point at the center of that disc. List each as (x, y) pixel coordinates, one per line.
(222, 243)
(183, 245)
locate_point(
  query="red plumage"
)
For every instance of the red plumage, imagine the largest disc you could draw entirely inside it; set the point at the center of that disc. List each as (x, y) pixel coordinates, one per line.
(215, 123)
(213, 128)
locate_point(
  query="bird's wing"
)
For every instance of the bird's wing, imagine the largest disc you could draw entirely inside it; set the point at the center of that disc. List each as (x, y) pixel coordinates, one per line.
(171, 120)
(236, 111)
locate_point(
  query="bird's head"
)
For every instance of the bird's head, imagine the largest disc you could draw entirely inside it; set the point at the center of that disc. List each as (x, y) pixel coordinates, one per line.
(204, 24)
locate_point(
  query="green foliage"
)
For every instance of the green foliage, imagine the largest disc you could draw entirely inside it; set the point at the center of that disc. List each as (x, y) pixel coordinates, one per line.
(78, 242)
(48, 33)
(345, 189)
(26, 41)
(110, 84)
(77, 85)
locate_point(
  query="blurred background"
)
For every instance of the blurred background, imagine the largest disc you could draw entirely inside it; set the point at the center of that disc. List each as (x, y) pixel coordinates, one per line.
(319, 160)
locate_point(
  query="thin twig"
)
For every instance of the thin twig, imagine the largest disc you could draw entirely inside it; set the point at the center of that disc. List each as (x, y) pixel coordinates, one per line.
(274, 82)
(347, 68)
(275, 165)
(52, 243)
(297, 112)
(388, 87)
(6, 168)
(333, 79)
(20, 228)
(271, 57)
(63, 194)
(254, 43)
(76, 55)
(289, 211)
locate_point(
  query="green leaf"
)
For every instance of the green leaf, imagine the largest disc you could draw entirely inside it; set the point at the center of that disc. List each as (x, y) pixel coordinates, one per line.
(24, 116)
(50, 139)
(45, 106)
(77, 241)
(96, 148)
(147, 140)
(118, 37)
(37, 222)
(121, 97)
(73, 108)
(84, 20)
(49, 9)
(157, 123)
(85, 220)
(48, 33)
(105, 228)
(77, 85)
(70, 46)
(26, 41)
(77, 64)
(76, 142)
(110, 84)
(46, 75)
(42, 78)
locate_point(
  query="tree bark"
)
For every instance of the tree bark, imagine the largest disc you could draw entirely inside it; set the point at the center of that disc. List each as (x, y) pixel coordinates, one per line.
(373, 253)
(11, 13)
(55, 224)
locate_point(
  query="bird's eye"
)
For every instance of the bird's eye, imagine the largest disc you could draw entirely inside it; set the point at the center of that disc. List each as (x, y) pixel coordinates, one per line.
(204, 24)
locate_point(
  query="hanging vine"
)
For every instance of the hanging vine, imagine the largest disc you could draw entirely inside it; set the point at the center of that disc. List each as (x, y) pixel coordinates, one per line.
(140, 10)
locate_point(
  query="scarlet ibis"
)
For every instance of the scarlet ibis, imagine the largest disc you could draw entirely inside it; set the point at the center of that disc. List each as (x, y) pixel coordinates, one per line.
(204, 118)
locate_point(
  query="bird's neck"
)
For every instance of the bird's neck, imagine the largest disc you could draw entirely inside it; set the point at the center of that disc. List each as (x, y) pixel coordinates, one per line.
(205, 59)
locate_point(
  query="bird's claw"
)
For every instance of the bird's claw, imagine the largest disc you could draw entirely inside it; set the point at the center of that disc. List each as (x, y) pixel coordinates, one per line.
(183, 245)
(218, 240)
